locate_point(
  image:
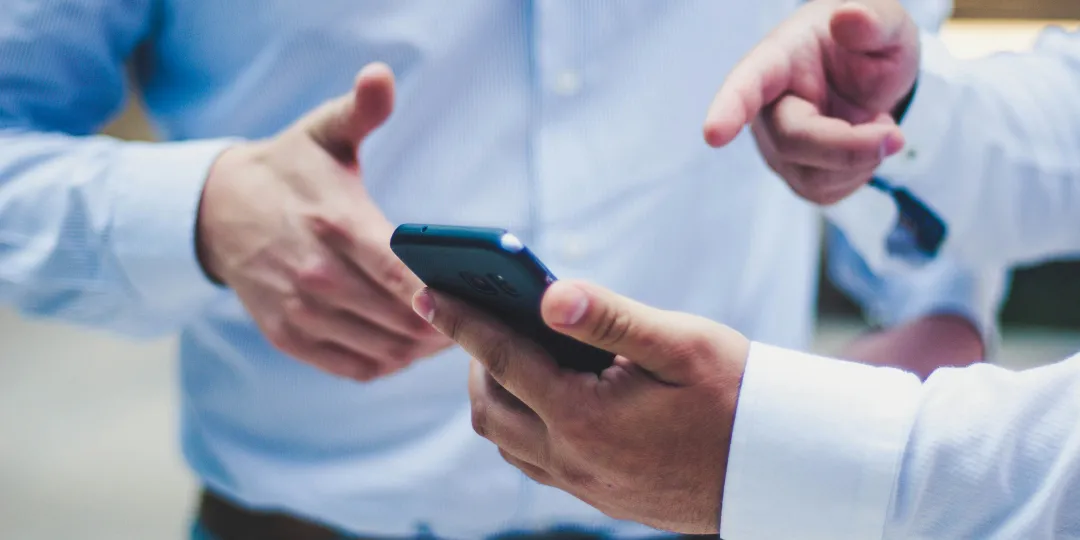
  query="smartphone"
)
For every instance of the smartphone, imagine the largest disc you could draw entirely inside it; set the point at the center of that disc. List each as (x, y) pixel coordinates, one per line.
(492, 270)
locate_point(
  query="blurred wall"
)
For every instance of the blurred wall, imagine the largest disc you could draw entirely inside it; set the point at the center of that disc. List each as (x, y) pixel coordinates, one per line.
(1018, 9)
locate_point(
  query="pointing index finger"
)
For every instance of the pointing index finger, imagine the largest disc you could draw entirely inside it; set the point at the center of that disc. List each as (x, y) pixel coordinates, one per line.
(758, 79)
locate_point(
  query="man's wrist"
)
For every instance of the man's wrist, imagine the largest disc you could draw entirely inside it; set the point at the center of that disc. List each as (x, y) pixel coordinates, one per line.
(922, 345)
(155, 227)
(225, 165)
(739, 349)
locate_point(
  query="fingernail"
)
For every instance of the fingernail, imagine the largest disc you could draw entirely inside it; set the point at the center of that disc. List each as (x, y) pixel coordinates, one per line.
(892, 144)
(424, 305)
(373, 67)
(574, 308)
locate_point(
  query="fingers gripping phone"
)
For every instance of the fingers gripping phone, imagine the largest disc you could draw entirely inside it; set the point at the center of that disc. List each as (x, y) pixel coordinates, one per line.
(492, 270)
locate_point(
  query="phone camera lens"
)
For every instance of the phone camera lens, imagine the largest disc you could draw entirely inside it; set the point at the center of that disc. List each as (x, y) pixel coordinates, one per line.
(478, 283)
(503, 284)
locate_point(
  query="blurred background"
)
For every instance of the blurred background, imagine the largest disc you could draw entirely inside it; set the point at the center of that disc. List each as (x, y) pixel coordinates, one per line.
(88, 447)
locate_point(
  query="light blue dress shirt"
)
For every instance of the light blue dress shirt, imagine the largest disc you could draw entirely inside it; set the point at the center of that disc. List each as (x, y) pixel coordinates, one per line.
(576, 124)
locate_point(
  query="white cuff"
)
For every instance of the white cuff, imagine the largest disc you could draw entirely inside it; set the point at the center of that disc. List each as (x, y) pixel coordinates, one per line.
(816, 448)
(156, 199)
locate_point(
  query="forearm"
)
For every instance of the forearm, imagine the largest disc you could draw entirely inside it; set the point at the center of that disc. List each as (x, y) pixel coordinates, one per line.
(101, 232)
(921, 346)
(940, 314)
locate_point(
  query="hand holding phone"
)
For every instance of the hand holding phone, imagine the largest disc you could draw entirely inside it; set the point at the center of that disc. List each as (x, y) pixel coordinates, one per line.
(492, 270)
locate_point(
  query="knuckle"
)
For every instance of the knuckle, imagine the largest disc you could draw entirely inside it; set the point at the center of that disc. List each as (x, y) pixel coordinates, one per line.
(796, 184)
(319, 275)
(297, 312)
(804, 189)
(330, 228)
(497, 355)
(578, 426)
(404, 352)
(507, 456)
(790, 138)
(784, 143)
(374, 370)
(815, 184)
(281, 337)
(777, 164)
(480, 417)
(576, 476)
(813, 176)
(833, 197)
(699, 344)
(853, 158)
(394, 274)
(419, 329)
(818, 196)
(360, 370)
(613, 327)
(453, 325)
(340, 369)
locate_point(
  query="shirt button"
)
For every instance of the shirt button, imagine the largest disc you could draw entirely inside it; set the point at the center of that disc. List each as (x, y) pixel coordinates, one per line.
(575, 249)
(567, 83)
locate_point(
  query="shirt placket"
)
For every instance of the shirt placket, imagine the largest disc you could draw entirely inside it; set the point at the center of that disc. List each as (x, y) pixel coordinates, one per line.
(561, 163)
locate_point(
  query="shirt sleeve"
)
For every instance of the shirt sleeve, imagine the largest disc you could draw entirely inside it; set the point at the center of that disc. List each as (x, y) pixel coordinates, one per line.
(898, 294)
(991, 147)
(895, 296)
(833, 450)
(92, 230)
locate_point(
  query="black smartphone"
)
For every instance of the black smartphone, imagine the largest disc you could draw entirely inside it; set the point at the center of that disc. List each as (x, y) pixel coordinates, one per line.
(492, 270)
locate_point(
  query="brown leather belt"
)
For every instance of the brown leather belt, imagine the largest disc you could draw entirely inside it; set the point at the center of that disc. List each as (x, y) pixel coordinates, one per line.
(225, 520)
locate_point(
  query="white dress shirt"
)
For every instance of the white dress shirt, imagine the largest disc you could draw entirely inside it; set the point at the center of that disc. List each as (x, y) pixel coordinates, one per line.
(576, 124)
(993, 146)
(824, 449)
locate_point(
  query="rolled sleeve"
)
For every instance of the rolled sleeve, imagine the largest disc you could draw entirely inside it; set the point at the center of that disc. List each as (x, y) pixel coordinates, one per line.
(154, 223)
(892, 290)
(816, 448)
(946, 287)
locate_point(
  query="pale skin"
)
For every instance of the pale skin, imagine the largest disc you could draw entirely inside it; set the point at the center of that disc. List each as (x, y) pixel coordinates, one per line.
(818, 93)
(288, 225)
(647, 440)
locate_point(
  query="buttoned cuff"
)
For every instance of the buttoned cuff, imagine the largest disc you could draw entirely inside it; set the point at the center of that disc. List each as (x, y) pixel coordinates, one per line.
(816, 447)
(156, 193)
